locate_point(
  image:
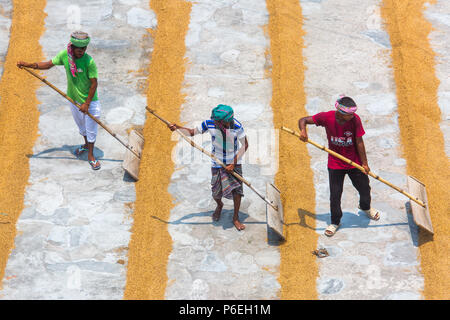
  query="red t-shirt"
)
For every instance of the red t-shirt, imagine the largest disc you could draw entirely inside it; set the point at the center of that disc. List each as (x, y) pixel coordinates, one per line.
(341, 138)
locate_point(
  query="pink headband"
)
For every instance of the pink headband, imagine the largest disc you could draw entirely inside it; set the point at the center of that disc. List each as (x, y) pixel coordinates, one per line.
(344, 109)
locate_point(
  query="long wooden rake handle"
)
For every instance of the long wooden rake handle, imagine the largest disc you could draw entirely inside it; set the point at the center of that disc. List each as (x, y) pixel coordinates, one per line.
(337, 155)
(192, 143)
(78, 106)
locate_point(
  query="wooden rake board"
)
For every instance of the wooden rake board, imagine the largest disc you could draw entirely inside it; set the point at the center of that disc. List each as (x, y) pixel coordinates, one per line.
(131, 162)
(420, 214)
(274, 217)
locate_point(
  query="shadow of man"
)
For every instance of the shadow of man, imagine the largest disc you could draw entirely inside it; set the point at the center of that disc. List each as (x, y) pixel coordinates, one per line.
(225, 220)
(349, 220)
(45, 154)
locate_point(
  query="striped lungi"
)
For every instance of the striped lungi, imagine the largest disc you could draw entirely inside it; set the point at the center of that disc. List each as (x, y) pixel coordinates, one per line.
(224, 184)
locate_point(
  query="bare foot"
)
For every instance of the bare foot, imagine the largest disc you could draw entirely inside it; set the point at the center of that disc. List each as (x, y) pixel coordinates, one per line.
(217, 212)
(238, 224)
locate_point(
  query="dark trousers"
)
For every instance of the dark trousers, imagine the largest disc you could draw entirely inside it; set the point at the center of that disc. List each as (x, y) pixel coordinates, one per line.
(359, 180)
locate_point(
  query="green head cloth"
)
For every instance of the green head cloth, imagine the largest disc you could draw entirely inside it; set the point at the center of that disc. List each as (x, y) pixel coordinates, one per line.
(80, 39)
(222, 112)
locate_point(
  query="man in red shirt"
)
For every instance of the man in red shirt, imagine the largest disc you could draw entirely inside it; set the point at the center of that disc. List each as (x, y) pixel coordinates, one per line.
(344, 132)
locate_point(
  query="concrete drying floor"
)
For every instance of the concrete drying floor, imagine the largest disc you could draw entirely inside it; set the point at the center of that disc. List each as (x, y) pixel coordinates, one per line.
(85, 234)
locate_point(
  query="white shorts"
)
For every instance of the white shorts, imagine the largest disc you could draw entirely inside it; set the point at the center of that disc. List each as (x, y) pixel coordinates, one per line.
(87, 126)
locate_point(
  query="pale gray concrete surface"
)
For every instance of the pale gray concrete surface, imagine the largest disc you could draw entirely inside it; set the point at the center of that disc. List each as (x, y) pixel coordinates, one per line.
(368, 259)
(226, 51)
(73, 234)
(439, 15)
(72, 239)
(5, 24)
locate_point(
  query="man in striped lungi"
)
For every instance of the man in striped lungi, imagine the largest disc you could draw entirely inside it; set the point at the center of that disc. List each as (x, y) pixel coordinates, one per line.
(227, 134)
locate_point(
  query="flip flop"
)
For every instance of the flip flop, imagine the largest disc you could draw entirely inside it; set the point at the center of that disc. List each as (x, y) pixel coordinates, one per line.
(372, 213)
(331, 230)
(79, 151)
(94, 165)
(321, 253)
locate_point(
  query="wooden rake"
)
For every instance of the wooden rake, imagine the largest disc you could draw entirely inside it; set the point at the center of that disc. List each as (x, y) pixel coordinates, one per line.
(274, 208)
(418, 207)
(133, 150)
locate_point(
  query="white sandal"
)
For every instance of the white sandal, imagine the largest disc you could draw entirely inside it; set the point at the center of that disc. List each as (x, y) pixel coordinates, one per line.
(331, 230)
(372, 213)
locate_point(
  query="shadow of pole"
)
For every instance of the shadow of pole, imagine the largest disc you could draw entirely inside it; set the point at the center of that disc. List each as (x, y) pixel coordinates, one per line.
(98, 153)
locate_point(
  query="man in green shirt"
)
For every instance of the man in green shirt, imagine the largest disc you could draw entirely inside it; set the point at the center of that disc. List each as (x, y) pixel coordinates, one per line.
(82, 76)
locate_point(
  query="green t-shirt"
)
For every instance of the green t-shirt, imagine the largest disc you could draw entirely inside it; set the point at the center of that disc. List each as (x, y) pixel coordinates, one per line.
(78, 87)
